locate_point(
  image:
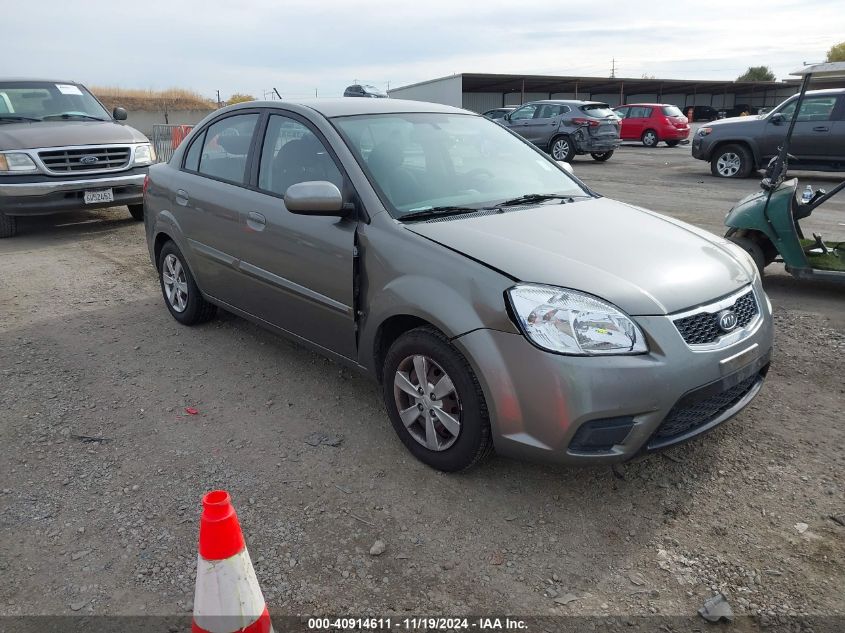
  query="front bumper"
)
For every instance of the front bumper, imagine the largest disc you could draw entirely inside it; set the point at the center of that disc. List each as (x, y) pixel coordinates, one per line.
(539, 401)
(40, 195)
(701, 148)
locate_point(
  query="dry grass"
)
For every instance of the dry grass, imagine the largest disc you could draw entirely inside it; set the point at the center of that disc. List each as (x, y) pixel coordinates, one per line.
(135, 99)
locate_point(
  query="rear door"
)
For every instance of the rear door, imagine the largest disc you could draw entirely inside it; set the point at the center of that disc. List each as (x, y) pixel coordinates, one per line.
(208, 199)
(637, 121)
(837, 131)
(297, 270)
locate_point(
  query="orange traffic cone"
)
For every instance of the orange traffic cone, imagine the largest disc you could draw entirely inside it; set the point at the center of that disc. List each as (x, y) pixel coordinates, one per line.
(227, 598)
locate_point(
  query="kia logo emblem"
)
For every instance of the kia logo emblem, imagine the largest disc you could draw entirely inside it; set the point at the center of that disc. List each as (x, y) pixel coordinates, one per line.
(89, 160)
(727, 320)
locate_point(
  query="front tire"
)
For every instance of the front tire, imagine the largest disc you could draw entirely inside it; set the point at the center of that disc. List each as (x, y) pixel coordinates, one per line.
(562, 148)
(650, 139)
(435, 402)
(137, 212)
(8, 225)
(601, 156)
(181, 294)
(731, 161)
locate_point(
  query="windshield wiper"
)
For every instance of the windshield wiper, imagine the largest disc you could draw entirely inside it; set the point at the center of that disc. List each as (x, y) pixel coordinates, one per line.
(68, 115)
(432, 212)
(538, 197)
(15, 117)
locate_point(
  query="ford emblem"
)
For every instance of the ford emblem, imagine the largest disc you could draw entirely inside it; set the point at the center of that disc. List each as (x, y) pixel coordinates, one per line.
(727, 320)
(89, 160)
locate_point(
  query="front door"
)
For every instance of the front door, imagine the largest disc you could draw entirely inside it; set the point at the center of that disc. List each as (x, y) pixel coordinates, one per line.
(812, 138)
(543, 126)
(520, 119)
(297, 270)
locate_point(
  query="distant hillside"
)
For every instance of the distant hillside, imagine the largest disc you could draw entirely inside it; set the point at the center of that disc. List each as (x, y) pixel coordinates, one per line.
(171, 99)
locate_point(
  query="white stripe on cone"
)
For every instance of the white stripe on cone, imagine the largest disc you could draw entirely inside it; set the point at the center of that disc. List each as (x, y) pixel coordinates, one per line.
(227, 596)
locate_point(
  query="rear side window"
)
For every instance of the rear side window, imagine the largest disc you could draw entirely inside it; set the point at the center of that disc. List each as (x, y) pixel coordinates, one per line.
(226, 146)
(598, 110)
(671, 110)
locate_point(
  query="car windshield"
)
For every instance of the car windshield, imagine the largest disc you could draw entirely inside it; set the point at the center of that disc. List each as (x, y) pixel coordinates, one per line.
(671, 110)
(41, 100)
(422, 161)
(598, 110)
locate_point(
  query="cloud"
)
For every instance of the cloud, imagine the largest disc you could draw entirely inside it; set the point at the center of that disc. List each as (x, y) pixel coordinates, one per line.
(299, 47)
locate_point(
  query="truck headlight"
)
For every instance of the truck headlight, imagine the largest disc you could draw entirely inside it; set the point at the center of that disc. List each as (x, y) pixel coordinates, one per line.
(704, 131)
(16, 163)
(144, 154)
(571, 322)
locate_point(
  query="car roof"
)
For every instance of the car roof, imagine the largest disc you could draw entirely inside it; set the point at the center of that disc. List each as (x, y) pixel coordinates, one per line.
(566, 101)
(39, 80)
(350, 106)
(651, 105)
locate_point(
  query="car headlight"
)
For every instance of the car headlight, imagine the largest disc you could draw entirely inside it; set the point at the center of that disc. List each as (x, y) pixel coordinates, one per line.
(144, 154)
(570, 322)
(704, 131)
(16, 163)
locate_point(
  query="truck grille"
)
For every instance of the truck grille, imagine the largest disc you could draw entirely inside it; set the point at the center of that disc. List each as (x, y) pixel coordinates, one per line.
(686, 417)
(82, 159)
(702, 328)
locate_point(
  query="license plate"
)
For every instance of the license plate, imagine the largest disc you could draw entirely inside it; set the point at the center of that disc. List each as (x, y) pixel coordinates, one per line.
(96, 196)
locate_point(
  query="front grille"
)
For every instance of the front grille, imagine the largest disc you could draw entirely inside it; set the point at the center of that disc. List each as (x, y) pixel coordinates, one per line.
(684, 418)
(82, 159)
(702, 328)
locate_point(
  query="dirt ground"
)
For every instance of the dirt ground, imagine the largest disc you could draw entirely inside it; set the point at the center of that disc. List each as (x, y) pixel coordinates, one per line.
(109, 526)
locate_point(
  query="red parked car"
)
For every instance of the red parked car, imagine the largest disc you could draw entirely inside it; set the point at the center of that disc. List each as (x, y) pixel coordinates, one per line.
(652, 123)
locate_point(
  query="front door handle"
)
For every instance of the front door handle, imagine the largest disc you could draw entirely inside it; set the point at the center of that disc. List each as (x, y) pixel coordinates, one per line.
(182, 197)
(256, 221)
(821, 128)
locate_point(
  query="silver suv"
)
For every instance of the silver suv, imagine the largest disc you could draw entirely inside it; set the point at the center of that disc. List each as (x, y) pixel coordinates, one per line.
(567, 128)
(60, 150)
(456, 264)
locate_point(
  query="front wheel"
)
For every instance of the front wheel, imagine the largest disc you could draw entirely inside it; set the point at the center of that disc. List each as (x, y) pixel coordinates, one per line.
(435, 402)
(137, 212)
(601, 156)
(8, 225)
(181, 294)
(562, 149)
(731, 161)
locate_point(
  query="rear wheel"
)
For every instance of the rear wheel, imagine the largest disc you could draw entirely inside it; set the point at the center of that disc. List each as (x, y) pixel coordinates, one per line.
(672, 143)
(435, 402)
(8, 225)
(731, 161)
(649, 138)
(181, 295)
(601, 156)
(562, 149)
(137, 212)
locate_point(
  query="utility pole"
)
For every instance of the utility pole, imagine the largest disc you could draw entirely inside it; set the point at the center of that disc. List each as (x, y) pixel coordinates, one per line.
(613, 68)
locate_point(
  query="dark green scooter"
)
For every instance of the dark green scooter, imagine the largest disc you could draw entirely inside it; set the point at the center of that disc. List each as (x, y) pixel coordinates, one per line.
(766, 224)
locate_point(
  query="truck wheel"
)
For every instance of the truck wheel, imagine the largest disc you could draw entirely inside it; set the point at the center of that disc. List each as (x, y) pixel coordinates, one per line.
(8, 225)
(137, 212)
(562, 149)
(601, 156)
(649, 138)
(731, 161)
(672, 143)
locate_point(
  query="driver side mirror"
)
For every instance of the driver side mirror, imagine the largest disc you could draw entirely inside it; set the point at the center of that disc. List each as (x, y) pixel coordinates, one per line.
(119, 114)
(316, 197)
(777, 119)
(507, 117)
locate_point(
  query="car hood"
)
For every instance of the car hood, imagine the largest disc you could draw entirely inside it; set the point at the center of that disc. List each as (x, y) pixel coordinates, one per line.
(33, 135)
(645, 263)
(734, 121)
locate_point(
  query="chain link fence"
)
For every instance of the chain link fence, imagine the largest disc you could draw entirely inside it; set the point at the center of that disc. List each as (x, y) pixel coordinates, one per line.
(166, 138)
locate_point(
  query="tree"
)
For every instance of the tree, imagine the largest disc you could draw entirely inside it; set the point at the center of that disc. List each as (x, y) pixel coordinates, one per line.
(836, 53)
(240, 98)
(757, 73)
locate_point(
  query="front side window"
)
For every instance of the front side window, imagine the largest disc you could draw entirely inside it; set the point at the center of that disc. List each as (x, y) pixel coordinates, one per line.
(226, 147)
(640, 112)
(46, 101)
(419, 161)
(813, 109)
(622, 112)
(291, 154)
(525, 112)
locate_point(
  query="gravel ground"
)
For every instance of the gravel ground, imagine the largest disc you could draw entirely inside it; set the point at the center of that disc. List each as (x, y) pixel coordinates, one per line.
(103, 469)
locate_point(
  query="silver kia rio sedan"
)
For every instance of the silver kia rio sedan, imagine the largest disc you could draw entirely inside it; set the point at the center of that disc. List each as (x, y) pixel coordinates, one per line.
(500, 303)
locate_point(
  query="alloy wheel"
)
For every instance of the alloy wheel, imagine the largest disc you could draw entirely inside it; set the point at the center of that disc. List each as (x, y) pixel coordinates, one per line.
(560, 149)
(650, 139)
(175, 283)
(728, 164)
(428, 403)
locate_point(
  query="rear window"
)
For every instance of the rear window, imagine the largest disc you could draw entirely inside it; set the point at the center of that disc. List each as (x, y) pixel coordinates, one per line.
(597, 110)
(672, 111)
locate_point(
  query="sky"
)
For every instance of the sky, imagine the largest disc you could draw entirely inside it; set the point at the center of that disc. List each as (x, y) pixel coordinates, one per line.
(304, 48)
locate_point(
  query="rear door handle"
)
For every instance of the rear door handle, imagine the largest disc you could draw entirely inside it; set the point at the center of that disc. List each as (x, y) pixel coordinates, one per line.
(182, 197)
(256, 221)
(821, 128)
